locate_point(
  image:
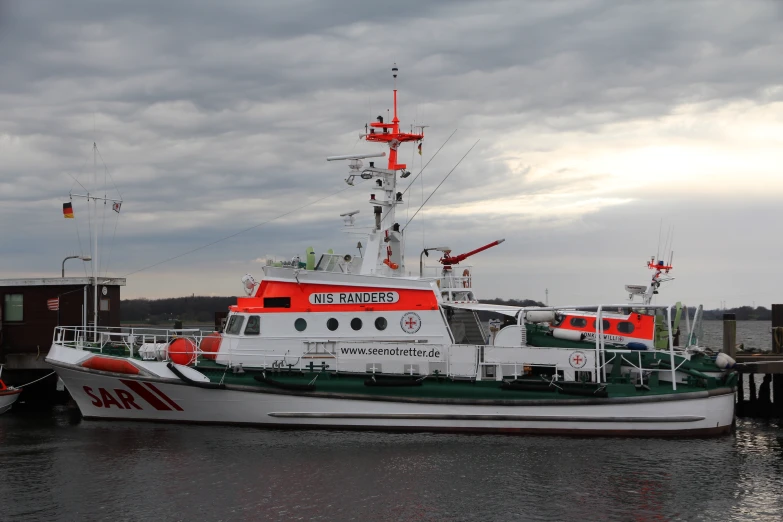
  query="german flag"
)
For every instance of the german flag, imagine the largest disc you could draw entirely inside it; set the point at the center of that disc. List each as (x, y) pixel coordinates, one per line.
(67, 211)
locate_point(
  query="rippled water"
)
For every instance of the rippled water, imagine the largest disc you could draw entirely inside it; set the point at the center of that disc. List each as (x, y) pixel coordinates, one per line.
(753, 334)
(57, 467)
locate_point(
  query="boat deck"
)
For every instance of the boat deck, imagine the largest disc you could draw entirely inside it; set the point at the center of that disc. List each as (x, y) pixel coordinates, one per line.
(443, 387)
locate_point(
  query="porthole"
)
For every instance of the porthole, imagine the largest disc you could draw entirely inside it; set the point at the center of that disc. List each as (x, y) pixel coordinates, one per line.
(332, 324)
(605, 323)
(380, 323)
(578, 322)
(356, 323)
(300, 325)
(625, 327)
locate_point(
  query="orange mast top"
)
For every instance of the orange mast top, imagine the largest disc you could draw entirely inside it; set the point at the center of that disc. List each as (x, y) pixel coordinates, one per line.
(381, 132)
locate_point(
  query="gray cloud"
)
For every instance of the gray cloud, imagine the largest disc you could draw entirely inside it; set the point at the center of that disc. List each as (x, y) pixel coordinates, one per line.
(214, 117)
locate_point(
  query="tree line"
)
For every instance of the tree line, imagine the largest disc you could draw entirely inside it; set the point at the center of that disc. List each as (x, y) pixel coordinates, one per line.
(193, 309)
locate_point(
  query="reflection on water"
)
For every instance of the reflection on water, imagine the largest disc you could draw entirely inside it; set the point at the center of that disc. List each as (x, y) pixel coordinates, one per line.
(56, 467)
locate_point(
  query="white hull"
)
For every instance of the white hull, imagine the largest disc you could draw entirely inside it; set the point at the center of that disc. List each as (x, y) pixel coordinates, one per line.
(102, 395)
(7, 399)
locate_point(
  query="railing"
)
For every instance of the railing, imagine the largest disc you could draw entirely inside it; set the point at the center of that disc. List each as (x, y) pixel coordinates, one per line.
(456, 285)
(90, 338)
(600, 340)
(465, 361)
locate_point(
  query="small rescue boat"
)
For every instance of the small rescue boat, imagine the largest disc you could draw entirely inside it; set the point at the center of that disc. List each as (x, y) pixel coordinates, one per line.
(8, 395)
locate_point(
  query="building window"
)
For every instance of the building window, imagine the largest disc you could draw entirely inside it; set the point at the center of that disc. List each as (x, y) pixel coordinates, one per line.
(332, 324)
(253, 325)
(277, 302)
(356, 323)
(380, 323)
(578, 322)
(104, 305)
(13, 307)
(300, 325)
(625, 327)
(235, 324)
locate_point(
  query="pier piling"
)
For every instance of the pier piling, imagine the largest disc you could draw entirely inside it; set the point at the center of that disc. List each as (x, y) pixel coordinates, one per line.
(777, 328)
(730, 335)
(766, 400)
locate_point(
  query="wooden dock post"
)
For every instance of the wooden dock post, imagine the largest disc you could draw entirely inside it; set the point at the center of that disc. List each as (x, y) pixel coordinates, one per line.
(730, 335)
(777, 394)
(777, 328)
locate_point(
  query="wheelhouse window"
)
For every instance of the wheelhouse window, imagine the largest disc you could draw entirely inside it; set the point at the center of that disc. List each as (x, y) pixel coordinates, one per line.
(578, 322)
(235, 324)
(277, 302)
(13, 307)
(253, 325)
(625, 327)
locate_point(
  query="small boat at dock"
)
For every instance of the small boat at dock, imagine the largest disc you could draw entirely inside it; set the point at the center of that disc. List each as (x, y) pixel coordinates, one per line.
(8, 394)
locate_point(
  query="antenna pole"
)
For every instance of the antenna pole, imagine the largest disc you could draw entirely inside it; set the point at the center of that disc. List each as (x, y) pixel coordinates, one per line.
(95, 245)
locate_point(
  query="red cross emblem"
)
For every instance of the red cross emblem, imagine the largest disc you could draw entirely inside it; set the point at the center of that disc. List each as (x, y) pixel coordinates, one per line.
(410, 322)
(577, 360)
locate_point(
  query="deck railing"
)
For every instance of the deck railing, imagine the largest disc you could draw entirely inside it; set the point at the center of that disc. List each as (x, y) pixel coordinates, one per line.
(465, 361)
(600, 339)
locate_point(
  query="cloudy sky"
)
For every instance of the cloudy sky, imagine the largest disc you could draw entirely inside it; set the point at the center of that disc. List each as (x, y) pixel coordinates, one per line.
(601, 124)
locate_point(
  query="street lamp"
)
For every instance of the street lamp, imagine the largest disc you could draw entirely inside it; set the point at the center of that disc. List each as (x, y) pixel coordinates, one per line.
(426, 252)
(83, 258)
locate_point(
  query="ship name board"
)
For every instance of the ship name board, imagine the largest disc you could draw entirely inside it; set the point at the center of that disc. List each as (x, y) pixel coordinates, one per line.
(354, 298)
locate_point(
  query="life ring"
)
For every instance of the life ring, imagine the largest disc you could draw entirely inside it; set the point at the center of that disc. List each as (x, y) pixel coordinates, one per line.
(466, 278)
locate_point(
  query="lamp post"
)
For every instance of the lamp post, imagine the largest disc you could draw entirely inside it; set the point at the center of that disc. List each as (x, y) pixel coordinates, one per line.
(426, 252)
(83, 258)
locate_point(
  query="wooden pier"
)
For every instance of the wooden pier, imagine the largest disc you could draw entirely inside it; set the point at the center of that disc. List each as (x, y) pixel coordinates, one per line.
(766, 400)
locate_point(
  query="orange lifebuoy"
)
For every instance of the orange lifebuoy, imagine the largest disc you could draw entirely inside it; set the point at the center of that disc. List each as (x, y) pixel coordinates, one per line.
(466, 278)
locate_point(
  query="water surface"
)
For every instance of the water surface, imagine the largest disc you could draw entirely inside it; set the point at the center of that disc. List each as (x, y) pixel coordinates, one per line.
(58, 467)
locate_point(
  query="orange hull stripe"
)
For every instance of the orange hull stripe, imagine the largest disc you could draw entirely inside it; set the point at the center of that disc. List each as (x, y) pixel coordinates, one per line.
(300, 298)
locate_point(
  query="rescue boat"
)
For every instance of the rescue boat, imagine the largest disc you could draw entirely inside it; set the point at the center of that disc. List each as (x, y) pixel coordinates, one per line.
(634, 326)
(351, 341)
(8, 395)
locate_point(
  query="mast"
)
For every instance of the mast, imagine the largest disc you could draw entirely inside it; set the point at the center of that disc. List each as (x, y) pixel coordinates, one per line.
(95, 244)
(387, 235)
(385, 240)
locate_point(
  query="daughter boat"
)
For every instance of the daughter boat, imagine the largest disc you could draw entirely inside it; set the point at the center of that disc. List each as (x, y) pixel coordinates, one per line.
(354, 342)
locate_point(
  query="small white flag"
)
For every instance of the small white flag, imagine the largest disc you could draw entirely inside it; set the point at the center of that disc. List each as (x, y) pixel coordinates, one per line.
(116, 206)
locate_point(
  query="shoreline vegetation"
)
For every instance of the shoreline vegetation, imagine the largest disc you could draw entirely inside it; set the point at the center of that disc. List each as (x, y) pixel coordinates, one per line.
(200, 310)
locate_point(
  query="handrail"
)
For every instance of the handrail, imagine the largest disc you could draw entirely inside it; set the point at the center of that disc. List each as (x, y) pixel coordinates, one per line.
(232, 352)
